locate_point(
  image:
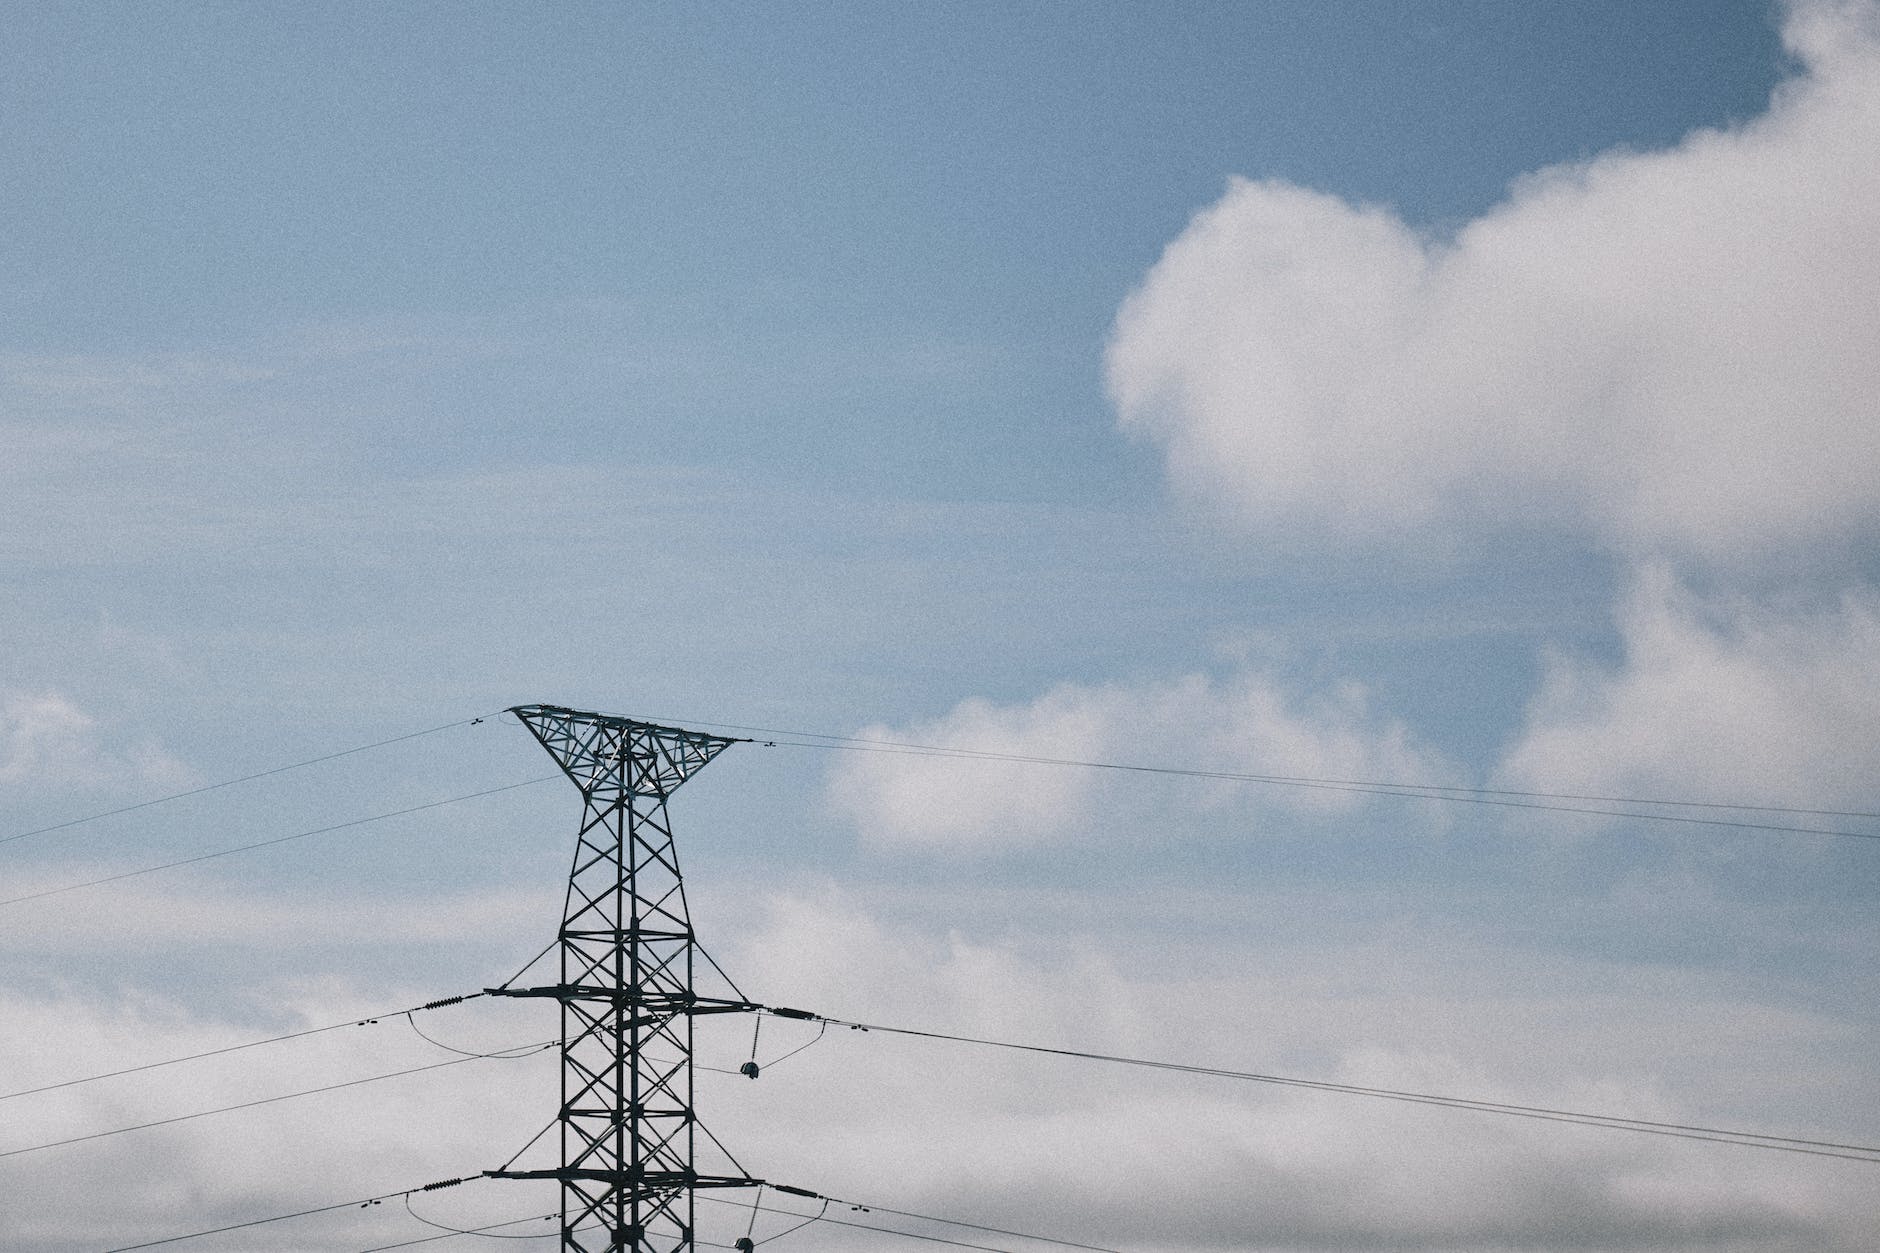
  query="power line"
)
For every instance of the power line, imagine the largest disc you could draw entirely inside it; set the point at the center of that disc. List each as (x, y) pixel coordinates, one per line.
(787, 1231)
(913, 1235)
(258, 1222)
(1464, 796)
(447, 1232)
(895, 1231)
(955, 1222)
(236, 1048)
(909, 1235)
(492, 1232)
(366, 1020)
(279, 839)
(266, 1100)
(757, 1205)
(1741, 1139)
(1384, 787)
(356, 1202)
(1539, 801)
(1503, 797)
(450, 1231)
(504, 1054)
(247, 778)
(1497, 797)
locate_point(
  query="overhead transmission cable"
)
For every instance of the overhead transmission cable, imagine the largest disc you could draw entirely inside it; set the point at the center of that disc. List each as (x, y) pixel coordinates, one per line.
(955, 1222)
(1408, 791)
(466, 1231)
(1462, 794)
(491, 1232)
(444, 1002)
(1296, 780)
(247, 1044)
(787, 1231)
(915, 1235)
(247, 778)
(406, 1194)
(279, 839)
(356, 1203)
(895, 1231)
(1687, 1131)
(270, 1100)
(500, 1054)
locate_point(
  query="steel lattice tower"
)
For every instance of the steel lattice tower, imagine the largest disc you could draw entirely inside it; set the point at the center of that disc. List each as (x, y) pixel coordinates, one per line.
(627, 1005)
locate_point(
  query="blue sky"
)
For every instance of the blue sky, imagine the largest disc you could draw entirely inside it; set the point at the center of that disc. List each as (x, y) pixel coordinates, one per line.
(841, 261)
(1429, 392)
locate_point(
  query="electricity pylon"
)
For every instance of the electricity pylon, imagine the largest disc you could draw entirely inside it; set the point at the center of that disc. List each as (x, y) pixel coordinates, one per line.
(627, 1005)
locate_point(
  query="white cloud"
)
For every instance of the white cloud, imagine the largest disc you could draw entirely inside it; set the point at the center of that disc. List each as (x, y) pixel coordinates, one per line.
(47, 740)
(1729, 699)
(178, 912)
(1246, 723)
(1668, 350)
(246, 1164)
(1144, 1161)
(1125, 1158)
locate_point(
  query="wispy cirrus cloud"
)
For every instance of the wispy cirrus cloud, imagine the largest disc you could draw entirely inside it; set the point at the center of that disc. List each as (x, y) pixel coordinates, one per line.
(48, 741)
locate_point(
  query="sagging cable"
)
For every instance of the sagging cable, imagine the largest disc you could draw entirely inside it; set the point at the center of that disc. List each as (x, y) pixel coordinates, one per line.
(236, 1048)
(504, 1054)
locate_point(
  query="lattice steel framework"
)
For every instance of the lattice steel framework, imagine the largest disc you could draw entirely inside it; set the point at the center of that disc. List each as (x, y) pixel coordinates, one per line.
(627, 1005)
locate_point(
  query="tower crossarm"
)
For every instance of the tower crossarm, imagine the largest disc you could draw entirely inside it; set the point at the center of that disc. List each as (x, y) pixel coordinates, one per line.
(674, 1004)
(627, 1179)
(609, 755)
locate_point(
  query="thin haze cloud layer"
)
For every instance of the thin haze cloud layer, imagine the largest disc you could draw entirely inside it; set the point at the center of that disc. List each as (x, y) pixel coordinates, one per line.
(48, 741)
(1665, 351)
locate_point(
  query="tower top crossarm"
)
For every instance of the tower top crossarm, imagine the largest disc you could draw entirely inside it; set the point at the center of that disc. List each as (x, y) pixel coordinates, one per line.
(607, 755)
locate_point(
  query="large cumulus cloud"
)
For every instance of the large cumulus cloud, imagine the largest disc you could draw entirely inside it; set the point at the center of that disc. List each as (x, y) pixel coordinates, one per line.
(1668, 351)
